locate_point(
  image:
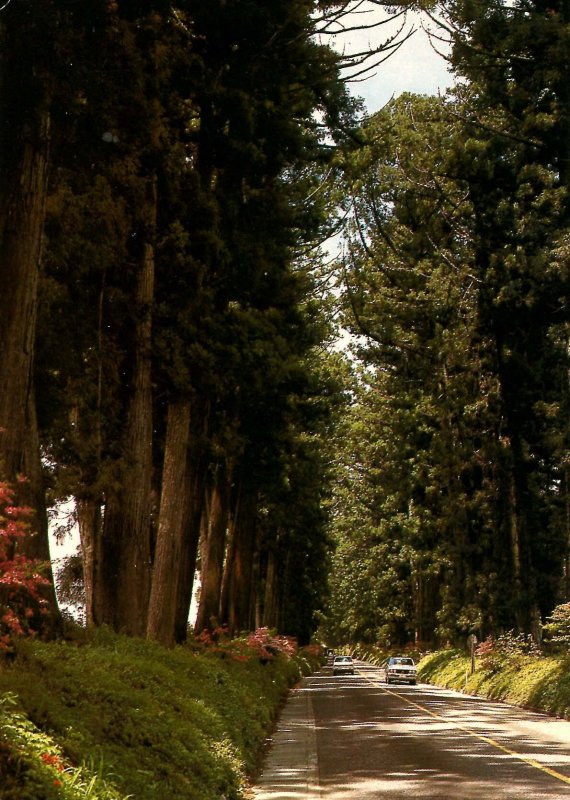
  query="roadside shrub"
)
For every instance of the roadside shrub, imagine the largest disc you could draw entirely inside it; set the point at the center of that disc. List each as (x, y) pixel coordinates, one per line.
(33, 765)
(263, 644)
(494, 652)
(21, 603)
(541, 684)
(267, 644)
(557, 628)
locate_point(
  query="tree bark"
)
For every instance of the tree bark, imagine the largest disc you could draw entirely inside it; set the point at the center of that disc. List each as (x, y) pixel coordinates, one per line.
(22, 214)
(24, 156)
(214, 549)
(193, 509)
(89, 521)
(124, 587)
(171, 526)
(237, 609)
(181, 506)
(271, 598)
(24, 160)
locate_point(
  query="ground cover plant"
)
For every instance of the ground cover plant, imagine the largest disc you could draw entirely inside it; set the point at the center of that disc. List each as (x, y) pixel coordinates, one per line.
(108, 717)
(509, 669)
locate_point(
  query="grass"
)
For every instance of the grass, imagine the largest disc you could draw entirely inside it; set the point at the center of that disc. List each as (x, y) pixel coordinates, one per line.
(538, 682)
(107, 717)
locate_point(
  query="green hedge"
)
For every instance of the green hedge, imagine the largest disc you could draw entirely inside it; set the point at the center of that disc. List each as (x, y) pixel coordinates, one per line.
(110, 717)
(538, 682)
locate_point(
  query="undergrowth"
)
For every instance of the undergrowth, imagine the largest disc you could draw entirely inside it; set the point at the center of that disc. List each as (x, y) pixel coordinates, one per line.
(107, 717)
(540, 682)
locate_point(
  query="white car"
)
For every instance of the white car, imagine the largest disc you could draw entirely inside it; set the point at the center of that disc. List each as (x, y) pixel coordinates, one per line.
(343, 665)
(399, 669)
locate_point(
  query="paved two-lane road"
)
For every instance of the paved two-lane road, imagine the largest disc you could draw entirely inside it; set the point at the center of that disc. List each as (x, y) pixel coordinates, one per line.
(354, 738)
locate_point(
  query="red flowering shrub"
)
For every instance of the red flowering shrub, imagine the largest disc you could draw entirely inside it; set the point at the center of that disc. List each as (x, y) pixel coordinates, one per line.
(54, 761)
(267, 644)
(493, 652)
(262, 644)
(212, 638)
(20, 577)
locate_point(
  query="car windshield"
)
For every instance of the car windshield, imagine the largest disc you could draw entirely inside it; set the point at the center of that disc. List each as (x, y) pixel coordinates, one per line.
(408, 662)
(343, 660)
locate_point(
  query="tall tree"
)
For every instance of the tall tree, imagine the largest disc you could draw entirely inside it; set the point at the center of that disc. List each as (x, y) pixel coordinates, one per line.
(514, 156)
(262, 80)
(201, 118)
(29, 63)
(417, 441)
(456, 277)
(25, 86)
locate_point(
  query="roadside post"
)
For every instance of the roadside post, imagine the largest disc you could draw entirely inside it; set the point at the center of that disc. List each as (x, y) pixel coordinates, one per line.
(472, 644)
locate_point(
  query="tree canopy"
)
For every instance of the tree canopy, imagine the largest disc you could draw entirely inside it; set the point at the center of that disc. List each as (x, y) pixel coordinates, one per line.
(455, 275)
(169, 175)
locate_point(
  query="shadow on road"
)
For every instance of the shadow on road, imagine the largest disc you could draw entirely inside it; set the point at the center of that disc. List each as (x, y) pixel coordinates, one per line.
(354, 738)
(377, 741)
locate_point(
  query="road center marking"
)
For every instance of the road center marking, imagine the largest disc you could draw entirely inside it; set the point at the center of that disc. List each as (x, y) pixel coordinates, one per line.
(533, 763)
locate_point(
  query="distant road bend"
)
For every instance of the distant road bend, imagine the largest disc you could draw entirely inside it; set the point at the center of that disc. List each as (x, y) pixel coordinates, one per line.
(354, 738)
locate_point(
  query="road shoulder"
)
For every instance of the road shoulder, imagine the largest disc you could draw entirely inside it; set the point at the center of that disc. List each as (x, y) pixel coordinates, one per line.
(290, 767)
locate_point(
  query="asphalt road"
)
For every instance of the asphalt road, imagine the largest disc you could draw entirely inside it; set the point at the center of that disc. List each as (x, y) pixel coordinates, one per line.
(354, 738)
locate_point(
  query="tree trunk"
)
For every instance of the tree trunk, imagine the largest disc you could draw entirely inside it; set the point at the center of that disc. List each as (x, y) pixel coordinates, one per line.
(271, 597)
(285, 589)
(89, 521)
(193, 509)
(213, 552)
(24, 158)
(22, 214)
(126, 545)
(516, 558)
(171, 526)
(181, 505)
(566, 472)
(254, 590)
(236, 594)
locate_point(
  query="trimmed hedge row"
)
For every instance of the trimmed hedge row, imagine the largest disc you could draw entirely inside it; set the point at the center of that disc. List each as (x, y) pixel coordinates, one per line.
(109, 717)
(541, 683)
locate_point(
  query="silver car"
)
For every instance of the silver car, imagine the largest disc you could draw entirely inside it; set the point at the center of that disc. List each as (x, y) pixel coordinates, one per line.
(343, 665)
(399, 669)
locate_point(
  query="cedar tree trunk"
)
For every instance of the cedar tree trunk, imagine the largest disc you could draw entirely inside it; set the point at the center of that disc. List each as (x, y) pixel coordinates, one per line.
(124, 587)
(238, 575)
(171, 525)
(24, 152)
(193, 509)
(213, 551)
(89, 521)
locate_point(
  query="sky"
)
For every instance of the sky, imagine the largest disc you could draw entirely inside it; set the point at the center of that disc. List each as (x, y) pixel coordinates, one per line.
(414, 67)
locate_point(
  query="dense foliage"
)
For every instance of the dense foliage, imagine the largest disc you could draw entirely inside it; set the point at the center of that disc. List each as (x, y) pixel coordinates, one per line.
(168, 173)
(164, 194)
(451, 513)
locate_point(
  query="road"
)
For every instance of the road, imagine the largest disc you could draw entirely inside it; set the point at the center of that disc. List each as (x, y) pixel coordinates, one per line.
(354, 738)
